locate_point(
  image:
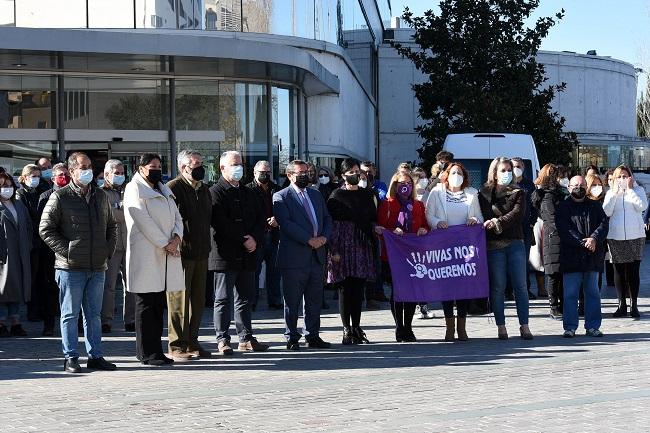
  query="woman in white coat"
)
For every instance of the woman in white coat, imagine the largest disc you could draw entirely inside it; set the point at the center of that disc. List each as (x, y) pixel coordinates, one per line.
(624, 205)
(153, 262)
(453, 202)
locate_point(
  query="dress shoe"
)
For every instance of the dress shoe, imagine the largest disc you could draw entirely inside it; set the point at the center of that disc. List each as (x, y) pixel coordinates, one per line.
(199, 352)
(318, 343)
(4, 331)
(154, 362)
(106, 328)
(17, 331)
(180, 355)
(634, 312)
(358, 336)
(409, 336)
(100, 364)
(347, 335)
(252, 345)
(129, 327)
(293, 345)
(71, 365)
(224, 348)
(621, 311)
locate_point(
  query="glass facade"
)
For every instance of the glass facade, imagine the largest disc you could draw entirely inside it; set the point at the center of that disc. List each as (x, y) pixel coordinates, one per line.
(27, 102)
(633, 154)
(14, 155)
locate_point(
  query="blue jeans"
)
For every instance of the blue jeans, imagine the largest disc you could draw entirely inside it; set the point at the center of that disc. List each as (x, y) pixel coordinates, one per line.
(503, 263)
(572, 283)
(81, 290)
(13, 310)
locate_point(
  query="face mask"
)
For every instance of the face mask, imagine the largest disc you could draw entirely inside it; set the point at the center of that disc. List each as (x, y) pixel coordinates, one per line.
(61, 181)
(236, 172)
(352, 179)
(85, 176)
(442, 165)
(263, 178)
(154, 176)
(198, 173)
(518, 172)
(100, 183)
(302, 181)
(455, 180)
(6, 192)
(404, 189)
(363, 183)
(564, 182)
(621, 183)
(579, 193)
(505, 178)
(423, 183)
(118, 179)
(596, 191)
(323, 180)
(32, 182)
(46, 174)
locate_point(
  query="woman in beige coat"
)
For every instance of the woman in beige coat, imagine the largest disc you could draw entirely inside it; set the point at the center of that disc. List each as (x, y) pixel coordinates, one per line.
(153, 262)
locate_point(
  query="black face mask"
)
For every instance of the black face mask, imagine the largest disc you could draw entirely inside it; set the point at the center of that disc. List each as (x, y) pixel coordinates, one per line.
(198, 173)
(353, 179)
(263, 178)
(154, 176)
(579, 193)
(302, 181)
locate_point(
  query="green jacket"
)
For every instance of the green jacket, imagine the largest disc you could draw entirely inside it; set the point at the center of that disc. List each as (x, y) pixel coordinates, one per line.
(81, 233)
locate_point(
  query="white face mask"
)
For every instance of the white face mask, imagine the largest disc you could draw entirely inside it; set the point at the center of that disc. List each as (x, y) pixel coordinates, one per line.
(455, 180)
(596, 191)
(504, 178)
(363, 183)
(323, 180)
(518, 172)
(564, 182)
(236, 172)
(6, 192)
(423, 183)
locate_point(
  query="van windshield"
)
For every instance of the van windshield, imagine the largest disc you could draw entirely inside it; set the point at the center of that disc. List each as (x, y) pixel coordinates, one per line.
(478, 170)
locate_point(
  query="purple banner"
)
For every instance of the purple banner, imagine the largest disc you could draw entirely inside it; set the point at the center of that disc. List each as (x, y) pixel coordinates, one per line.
(445, 265)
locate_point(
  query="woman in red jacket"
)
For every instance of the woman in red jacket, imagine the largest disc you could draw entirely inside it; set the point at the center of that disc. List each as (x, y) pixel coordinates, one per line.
(401, 213)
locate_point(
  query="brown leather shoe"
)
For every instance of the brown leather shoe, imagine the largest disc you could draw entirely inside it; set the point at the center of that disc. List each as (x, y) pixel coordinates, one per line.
(180, 355)
(199, 352)
(224, 348)
(252, 345)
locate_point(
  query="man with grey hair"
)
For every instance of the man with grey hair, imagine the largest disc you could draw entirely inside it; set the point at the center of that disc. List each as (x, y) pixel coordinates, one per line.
(114, 188)
(238, 223)
(267, 251)
(185, 308)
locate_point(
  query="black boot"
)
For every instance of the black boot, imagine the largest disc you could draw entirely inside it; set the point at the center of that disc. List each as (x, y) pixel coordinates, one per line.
(347, 335)
(399, 334)
(621, 311)
(358, 336)
(634, 309)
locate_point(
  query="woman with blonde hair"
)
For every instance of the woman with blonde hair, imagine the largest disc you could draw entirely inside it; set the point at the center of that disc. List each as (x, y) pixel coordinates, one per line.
(454, 202)
(502, 205)
(624, 205)
(401, 213)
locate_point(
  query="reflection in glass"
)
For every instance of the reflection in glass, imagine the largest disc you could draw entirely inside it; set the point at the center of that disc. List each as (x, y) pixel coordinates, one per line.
(197, 105)
(115, 14)
(14, 155)
(257, 16)
(282, 126)
(211, 152)
(223, 15)
(100, 103)
(251, 103)
(327, 20)
(7, 13)
(156, 14)
(51, 13)
(189, 14)
(27, 102)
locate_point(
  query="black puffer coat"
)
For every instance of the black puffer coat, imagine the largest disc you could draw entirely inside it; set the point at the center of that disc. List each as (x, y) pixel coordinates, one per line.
(546, 202)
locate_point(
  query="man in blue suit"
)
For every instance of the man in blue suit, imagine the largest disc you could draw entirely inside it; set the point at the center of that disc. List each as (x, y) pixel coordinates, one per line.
(305, 226)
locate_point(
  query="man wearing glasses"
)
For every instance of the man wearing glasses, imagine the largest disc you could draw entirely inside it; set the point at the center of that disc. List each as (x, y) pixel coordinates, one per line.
(267, 252)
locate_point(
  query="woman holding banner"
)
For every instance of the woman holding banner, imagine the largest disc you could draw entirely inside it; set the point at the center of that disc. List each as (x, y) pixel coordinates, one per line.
(401, 213)
(502, 205)
(351, 259)
(453, 202)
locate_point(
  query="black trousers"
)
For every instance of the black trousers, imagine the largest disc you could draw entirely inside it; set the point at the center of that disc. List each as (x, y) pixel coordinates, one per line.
(461, 305)
(149, 310)
(351, 292)
(555, 290)
(626, 280)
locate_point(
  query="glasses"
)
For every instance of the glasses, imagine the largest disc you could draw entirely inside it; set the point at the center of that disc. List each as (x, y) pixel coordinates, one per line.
(264, 172)
(323, 175)
(300, 173)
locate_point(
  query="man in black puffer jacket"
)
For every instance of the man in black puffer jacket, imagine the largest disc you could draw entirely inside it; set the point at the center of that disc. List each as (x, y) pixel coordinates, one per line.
(78, 225)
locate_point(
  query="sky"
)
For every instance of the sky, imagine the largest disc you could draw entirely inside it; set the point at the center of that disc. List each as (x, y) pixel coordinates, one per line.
(616, 28)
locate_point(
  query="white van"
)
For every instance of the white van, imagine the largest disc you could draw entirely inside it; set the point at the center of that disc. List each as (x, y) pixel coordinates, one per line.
(476, 151)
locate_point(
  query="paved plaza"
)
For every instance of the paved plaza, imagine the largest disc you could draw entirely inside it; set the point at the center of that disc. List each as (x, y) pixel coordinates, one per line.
(548, 384)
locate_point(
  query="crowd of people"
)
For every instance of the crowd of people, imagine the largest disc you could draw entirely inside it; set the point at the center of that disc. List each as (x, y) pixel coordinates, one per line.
(67, 238)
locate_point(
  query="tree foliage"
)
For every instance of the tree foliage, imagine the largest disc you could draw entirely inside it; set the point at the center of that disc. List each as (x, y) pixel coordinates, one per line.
(479, 58)
(643, 113)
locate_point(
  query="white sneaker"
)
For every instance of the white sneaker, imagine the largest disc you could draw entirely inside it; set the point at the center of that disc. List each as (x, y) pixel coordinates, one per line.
(425, 313)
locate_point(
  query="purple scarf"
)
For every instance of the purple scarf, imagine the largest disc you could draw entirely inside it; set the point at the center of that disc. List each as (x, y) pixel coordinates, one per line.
(405, 217)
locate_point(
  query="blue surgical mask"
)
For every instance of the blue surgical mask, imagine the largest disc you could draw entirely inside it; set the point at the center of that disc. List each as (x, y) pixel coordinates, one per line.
(236, 172)
(85, 177)
(118, 179)
(32, 182)
(505, 178)
(46, 174)
(100, 183)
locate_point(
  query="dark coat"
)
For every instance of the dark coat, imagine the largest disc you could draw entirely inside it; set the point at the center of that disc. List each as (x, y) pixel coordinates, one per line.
(576, 221)
(15, 246)
(195, 207)
(29, 197)
(546, 202)
(531, 214)
(508, 206)
(81, 233)
(236, 212)
(259, 192)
